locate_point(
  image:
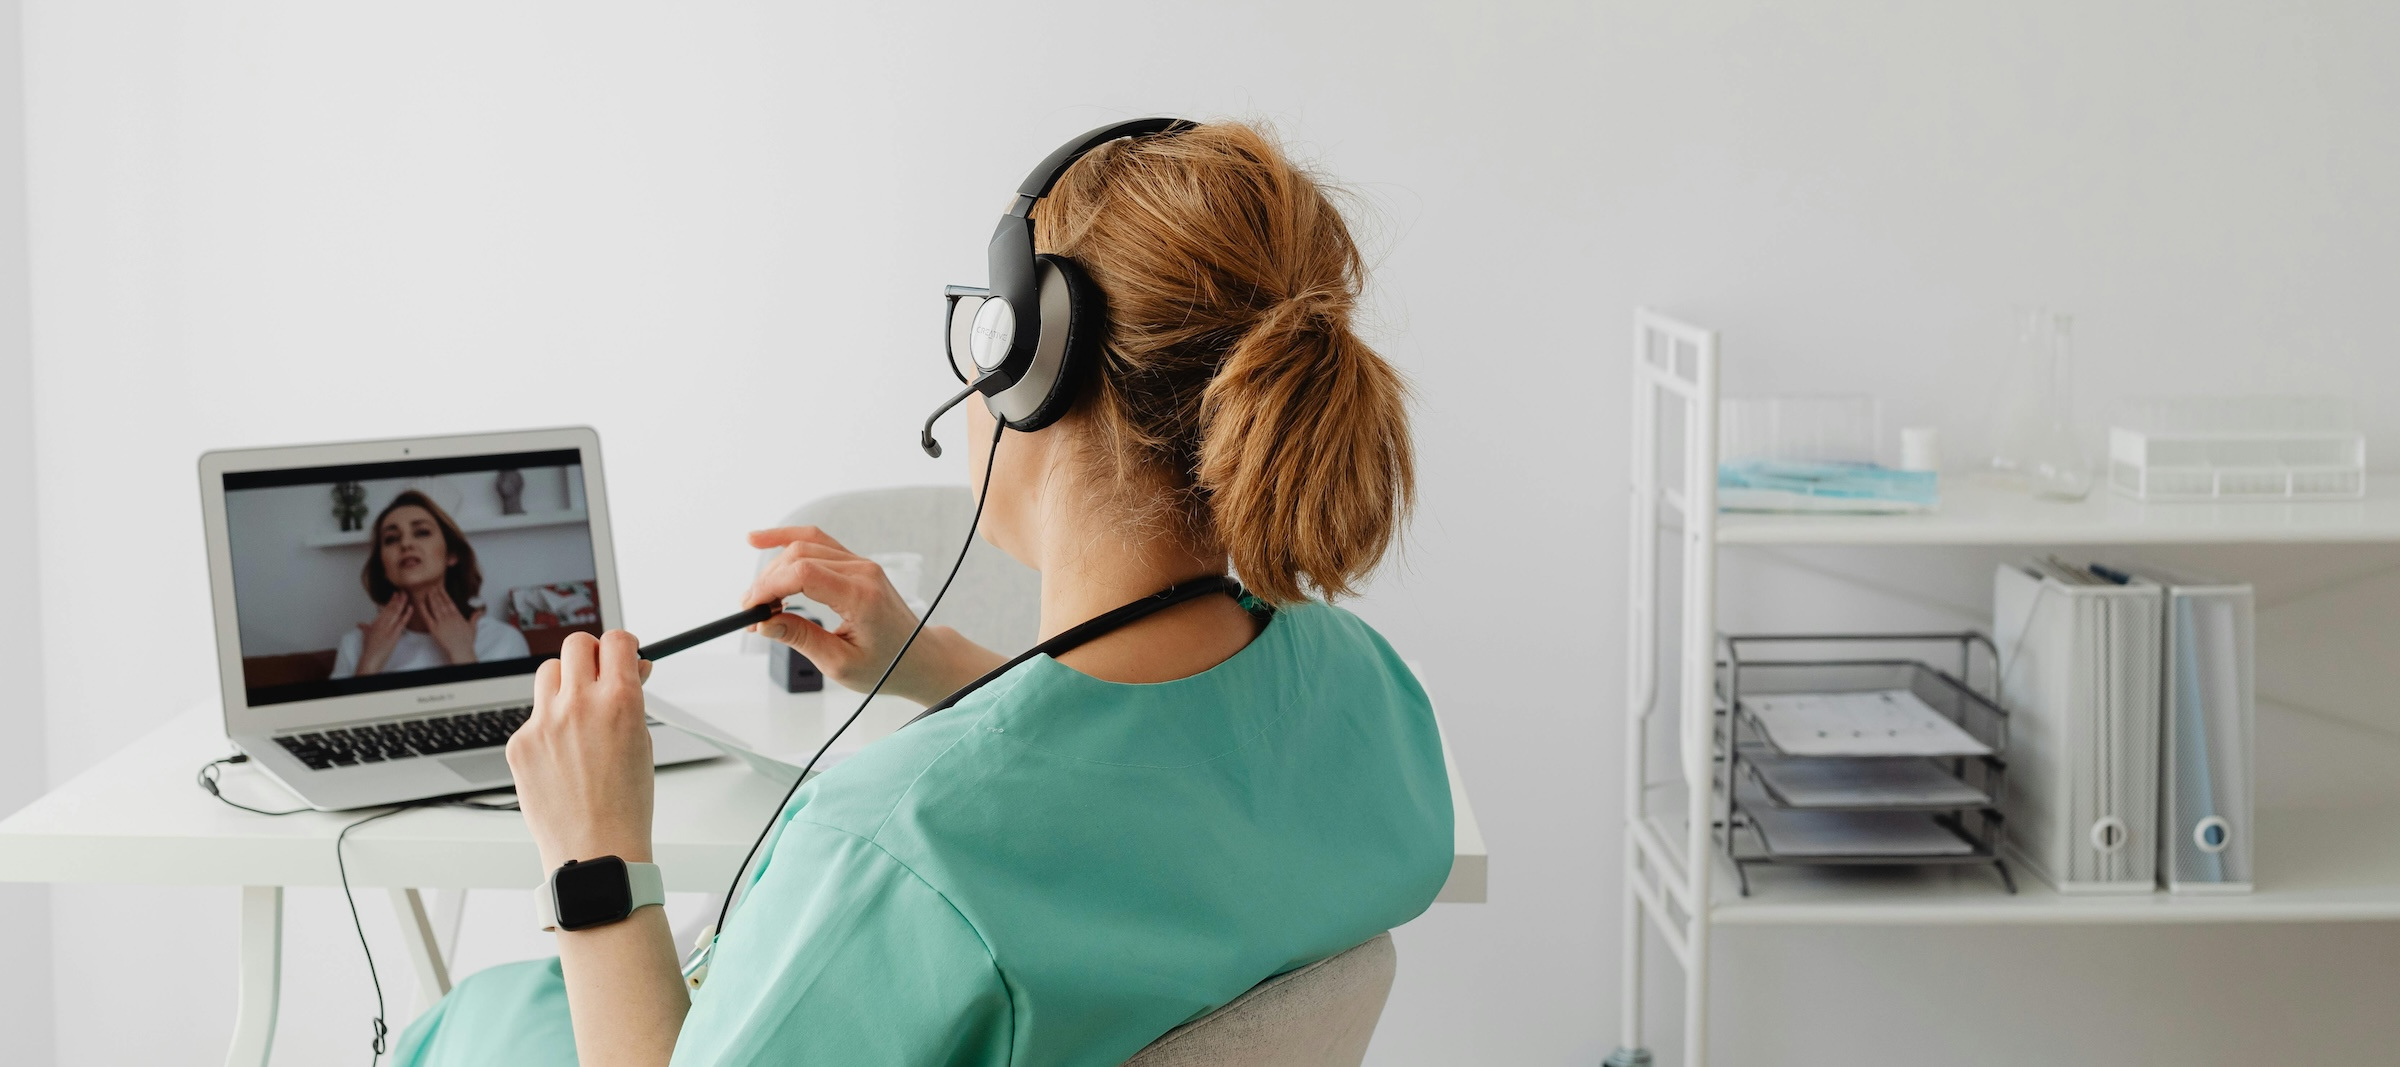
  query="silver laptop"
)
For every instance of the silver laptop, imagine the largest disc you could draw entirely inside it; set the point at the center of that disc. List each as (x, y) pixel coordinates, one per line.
(381, 605)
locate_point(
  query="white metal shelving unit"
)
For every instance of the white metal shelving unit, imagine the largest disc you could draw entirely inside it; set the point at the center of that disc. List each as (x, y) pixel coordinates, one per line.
(2317, 865)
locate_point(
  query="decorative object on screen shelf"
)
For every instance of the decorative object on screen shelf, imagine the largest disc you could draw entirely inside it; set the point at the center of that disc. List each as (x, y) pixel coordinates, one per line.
(350, 505)
(511, 487)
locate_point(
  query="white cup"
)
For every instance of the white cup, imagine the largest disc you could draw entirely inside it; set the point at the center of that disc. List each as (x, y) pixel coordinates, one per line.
(1921, 448)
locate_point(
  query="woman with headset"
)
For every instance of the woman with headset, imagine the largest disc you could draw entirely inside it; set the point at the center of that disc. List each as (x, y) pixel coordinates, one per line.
(1093, 846)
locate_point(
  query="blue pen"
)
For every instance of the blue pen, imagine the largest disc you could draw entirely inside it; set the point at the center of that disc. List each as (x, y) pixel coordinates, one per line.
(2110, 574)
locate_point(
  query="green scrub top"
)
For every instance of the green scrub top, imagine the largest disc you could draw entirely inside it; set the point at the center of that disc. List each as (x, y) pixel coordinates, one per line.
(1056, 871)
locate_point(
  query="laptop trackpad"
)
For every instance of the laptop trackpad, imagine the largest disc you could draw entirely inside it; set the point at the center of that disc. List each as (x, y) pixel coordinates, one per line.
(479, 768)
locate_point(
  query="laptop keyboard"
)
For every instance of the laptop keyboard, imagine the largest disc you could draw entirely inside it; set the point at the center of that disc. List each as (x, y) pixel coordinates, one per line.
(404, 740)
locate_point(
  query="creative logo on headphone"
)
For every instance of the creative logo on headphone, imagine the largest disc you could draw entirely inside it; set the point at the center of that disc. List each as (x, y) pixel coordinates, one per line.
(994, 331)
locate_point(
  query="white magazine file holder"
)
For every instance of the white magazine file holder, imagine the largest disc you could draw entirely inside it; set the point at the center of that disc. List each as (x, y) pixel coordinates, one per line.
(2208, 735)
(2080, 674)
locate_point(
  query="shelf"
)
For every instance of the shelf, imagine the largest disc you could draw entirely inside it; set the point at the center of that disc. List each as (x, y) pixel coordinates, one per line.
(2315, 865)
(475, 525)
(1978, 514)
(2334, 865)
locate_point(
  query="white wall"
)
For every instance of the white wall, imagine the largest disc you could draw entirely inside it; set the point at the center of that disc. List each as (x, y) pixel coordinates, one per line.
(25, 1002)
(717, 233)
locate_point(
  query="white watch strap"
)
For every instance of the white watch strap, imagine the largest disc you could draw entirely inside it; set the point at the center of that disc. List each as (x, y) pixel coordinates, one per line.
(649, 890)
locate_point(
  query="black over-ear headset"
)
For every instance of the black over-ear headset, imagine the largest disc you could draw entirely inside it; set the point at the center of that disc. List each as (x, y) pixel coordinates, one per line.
(1028, 340)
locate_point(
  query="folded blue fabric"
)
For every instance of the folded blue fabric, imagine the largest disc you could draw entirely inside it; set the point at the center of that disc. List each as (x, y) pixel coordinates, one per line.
(1786, 485)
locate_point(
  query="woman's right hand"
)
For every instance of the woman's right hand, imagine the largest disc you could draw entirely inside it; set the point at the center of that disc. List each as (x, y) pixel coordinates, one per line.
(382, 634)
(875, 620)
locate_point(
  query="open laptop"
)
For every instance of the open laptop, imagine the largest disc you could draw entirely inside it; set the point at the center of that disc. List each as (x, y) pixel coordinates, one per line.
(381, 605)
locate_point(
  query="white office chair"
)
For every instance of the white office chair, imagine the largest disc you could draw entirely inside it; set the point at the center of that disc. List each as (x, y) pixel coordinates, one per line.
(1318, 1016)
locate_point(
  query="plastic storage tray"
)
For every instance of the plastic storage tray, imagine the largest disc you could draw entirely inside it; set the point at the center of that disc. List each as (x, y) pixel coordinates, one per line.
(2237, 448)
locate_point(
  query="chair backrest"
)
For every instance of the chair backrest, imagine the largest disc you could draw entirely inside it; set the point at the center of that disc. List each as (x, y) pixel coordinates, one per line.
(997, 601)
(1320, 1015)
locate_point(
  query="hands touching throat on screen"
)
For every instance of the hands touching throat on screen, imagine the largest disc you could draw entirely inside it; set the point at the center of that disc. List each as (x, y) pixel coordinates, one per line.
(451, 629)
(428, 610)
(378, 636)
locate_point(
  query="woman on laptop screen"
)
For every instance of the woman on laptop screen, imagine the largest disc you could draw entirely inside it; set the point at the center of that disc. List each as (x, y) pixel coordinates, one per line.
(423, 574)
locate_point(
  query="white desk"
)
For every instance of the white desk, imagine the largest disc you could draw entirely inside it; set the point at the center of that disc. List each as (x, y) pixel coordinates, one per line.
(137, 817)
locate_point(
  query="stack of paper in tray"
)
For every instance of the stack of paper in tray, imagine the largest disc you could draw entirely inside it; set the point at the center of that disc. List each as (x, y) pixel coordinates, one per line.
(1844, 756)
(1889, 722)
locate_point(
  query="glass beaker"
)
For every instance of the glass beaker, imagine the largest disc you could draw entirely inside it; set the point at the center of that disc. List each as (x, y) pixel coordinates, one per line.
(2034, 447)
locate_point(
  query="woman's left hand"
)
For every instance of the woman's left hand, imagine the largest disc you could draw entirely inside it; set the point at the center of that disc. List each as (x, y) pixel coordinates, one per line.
(449, 628)
(582, 761)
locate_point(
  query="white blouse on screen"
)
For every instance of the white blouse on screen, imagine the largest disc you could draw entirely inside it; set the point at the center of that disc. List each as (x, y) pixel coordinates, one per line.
(494, 640)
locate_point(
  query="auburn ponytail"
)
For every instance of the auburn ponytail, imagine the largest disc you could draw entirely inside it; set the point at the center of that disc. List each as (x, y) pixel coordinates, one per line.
(1235, 406)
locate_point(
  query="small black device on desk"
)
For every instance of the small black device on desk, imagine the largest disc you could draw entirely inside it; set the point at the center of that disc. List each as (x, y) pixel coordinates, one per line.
(792, 671)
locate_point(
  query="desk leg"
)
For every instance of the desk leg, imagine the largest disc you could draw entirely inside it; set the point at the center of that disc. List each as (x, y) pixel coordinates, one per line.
(448, 915)
(261, 981)
(424, 946)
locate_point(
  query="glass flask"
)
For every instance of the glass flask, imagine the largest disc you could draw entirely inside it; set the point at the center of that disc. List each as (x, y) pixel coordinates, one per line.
(2034, 445)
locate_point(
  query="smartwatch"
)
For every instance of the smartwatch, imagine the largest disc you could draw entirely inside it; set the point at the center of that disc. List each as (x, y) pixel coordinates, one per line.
(588, 893)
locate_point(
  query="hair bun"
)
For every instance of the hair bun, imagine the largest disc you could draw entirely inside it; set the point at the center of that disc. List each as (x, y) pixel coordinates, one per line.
(1325, 304)
(1231, 373)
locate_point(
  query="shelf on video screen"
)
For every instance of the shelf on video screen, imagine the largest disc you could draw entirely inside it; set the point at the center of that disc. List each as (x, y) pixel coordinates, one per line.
(474, 525)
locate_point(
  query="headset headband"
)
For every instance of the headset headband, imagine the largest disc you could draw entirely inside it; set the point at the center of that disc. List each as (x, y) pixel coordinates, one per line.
(1037, 184)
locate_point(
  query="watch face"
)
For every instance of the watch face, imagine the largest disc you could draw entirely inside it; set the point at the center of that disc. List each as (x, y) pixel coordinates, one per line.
(592, 893)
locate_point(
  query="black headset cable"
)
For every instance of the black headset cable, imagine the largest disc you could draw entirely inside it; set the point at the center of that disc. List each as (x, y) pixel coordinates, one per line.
(208, 781)
(344, 868)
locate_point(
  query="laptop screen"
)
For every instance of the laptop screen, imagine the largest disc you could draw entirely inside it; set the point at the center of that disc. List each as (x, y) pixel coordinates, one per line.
(373, 576)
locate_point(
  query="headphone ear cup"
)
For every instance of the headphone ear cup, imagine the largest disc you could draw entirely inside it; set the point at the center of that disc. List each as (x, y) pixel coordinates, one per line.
(1074, 326)
(1087, 326)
